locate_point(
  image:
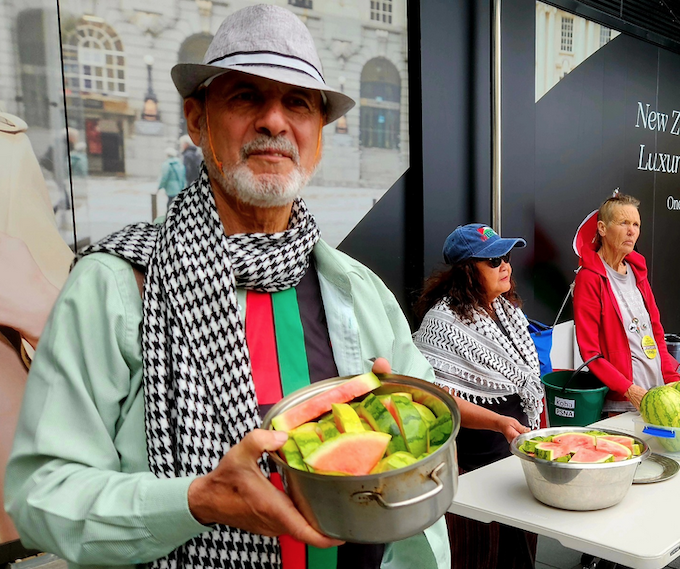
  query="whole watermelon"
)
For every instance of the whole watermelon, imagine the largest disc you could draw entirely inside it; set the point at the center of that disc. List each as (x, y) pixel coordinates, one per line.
(661, 406)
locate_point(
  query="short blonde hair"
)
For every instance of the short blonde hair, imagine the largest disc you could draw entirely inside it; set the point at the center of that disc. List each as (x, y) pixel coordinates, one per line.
(606, 211)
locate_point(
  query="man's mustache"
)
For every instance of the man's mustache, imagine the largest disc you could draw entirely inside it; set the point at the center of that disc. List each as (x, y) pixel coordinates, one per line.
(278, 144)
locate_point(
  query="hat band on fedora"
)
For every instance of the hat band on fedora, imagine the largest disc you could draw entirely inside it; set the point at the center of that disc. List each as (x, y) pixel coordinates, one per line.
(268, 59)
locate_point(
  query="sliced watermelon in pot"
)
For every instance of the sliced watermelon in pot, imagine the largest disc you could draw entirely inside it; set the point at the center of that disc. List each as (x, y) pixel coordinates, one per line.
(397, 460)
(551, 450)
(619, 451)
(291, 454)
(326, 430)
(346, 418)
(307, 441)
(586, 455)
(411, 425)
(319, 404)
(575, 441)
(349, 453)
(380, 419)
(622, 440)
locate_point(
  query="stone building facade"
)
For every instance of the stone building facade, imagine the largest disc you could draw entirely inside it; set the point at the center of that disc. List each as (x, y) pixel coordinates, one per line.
(117, 57)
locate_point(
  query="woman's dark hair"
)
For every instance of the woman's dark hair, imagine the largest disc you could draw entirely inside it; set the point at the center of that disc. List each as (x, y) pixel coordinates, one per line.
(461, 287)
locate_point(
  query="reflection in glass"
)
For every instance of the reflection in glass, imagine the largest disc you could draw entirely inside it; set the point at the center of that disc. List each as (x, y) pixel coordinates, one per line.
(563, 42)
(107, 88)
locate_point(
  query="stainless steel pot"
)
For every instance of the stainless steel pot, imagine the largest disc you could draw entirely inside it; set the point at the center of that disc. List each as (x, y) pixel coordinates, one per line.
(376, 508)
(578, 486)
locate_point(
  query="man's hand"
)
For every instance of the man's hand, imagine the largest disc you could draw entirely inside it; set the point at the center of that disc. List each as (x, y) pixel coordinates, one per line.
(381, 365)
(26, 296)
(634, 394)
(237, 494)
(510, 427)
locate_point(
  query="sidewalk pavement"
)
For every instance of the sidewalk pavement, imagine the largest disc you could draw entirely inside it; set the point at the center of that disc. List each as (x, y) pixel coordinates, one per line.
(113, 202)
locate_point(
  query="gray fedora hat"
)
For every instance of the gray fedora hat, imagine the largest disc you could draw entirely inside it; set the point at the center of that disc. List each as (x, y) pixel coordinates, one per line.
(266, 41)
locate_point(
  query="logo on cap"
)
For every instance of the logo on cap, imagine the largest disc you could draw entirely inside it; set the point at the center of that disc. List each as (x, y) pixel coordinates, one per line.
(486, 232)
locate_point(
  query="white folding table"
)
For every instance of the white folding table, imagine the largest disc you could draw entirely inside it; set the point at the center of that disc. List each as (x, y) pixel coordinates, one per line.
(642, 531)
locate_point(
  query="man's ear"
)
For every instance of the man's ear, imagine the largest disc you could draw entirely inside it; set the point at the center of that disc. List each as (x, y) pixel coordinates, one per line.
(193, 112)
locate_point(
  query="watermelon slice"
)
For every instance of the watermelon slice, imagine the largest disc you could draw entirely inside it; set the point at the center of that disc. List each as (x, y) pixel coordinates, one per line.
(321, 403)
(346, 418)
(439, 432)
(619, 451)
(425, 413)
(380, 419)
(575, 441)
(551, 451)
(625, 441)
(394, 461)
(306, 440)
(586, 455)
(291, 454)
(386, 400)
(349, 453)
(326, 430)
(411, 425)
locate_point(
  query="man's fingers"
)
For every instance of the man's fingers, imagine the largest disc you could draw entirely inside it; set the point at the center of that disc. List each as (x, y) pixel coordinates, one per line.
(260, 440)
(381, 365)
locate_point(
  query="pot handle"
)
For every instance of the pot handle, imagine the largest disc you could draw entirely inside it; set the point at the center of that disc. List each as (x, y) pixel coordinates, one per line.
(365, 496)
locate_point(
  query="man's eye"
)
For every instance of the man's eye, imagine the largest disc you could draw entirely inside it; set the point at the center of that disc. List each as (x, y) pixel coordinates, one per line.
(246, 96)
(299, 103)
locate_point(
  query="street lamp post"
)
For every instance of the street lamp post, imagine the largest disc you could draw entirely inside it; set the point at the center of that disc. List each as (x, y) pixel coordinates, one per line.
(150, 111)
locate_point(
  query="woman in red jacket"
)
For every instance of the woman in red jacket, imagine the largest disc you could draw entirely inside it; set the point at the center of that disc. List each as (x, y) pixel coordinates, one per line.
(614, 309)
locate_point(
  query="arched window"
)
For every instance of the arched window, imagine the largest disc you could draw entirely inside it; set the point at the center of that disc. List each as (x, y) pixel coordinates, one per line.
(33, 65)
(94, 60)
(380, 104)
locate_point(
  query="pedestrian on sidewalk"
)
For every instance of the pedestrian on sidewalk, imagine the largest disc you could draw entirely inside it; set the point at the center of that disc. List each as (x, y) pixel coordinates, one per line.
(173, 175)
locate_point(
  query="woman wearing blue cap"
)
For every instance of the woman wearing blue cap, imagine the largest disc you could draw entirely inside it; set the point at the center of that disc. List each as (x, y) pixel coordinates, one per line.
(475, 336)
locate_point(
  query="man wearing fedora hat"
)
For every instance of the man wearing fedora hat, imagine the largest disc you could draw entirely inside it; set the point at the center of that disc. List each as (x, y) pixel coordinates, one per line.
(241, 303)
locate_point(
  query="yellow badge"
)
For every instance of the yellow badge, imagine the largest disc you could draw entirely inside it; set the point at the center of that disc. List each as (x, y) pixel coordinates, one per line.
(649, 347)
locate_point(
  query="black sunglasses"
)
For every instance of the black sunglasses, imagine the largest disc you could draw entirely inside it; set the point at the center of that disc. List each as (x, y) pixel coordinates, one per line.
(496, 261)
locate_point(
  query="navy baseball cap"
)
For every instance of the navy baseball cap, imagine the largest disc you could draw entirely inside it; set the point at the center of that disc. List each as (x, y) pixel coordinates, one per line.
(477, 241)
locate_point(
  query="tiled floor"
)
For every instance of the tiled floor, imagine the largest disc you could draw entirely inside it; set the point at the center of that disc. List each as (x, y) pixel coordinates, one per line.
(552, 554)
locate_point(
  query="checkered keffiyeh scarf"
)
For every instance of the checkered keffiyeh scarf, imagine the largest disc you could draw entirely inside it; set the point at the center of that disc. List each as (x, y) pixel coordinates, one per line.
(199, 394)
(478, 362)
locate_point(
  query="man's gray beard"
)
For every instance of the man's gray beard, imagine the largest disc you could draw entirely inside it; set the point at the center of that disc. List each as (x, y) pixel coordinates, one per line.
(263, 190)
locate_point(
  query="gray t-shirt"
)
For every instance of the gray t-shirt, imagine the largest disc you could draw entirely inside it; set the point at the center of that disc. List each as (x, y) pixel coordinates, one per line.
(638, 325)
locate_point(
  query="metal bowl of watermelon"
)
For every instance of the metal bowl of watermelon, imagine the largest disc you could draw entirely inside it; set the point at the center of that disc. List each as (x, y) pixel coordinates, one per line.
(581, 485)
(381, 507)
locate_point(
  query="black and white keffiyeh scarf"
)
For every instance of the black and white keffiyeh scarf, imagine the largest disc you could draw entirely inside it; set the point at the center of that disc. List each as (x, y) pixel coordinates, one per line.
(477, 361)
(199, 394)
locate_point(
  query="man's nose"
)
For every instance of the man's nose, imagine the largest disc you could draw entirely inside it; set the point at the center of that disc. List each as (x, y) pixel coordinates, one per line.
(272, 119)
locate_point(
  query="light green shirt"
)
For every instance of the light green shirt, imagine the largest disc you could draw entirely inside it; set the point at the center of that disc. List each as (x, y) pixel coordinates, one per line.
(78, 481)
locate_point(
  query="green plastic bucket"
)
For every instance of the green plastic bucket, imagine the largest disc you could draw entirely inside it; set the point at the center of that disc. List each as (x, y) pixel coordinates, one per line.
(573, 398)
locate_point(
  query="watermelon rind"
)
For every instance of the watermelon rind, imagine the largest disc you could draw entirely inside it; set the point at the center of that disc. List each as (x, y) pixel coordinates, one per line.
(439, 431)
(411, 425)
(306, 441)
(321, 403)
(628, 442)
(619, 451)
(380, 419)
(291, 454)
(349, 453)
(346, 418)
(399, 459)
(550, 450)
(327, 430)
(427, 415)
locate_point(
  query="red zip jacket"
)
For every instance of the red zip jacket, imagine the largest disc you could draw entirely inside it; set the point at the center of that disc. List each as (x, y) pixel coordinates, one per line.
(599, 325)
